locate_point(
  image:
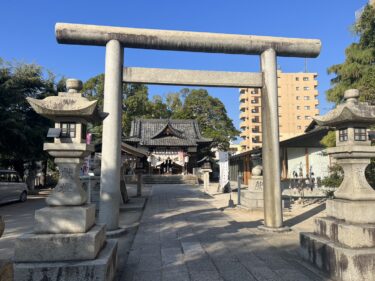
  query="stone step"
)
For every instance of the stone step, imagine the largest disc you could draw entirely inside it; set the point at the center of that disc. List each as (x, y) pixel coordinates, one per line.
(350, 235)
(172, 179)
(339, 262)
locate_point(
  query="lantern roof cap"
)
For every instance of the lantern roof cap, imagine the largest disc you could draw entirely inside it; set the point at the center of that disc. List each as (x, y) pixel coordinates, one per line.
(68, 104)
(350, 111)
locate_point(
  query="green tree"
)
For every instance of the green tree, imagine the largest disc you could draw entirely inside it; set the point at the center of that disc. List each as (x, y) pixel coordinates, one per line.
(358, 70)
(174, 102)
(329, 140)
(211, 115)
(158, 108)
(135, 102)
(22, 130)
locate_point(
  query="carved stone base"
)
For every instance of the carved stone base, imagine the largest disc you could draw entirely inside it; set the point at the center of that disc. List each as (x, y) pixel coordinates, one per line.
(68, 191)
(103, 268)
(351, 211)
(60, 247)
(74, 219)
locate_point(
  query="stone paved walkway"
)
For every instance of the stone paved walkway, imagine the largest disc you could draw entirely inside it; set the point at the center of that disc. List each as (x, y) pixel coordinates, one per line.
(183, 237)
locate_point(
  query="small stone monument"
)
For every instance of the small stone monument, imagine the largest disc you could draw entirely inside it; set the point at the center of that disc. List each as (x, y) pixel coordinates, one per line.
(206, 170)
(255, 192)
(343, 242)
(66, 244)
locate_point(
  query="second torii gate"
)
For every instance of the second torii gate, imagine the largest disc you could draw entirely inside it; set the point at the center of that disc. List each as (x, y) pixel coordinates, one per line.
(115, 39)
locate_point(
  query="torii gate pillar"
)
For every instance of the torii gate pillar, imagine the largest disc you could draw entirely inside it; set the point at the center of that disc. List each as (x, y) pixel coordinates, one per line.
(111, 141)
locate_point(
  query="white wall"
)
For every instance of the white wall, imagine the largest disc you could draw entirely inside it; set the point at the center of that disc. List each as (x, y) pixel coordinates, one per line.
(318, 161)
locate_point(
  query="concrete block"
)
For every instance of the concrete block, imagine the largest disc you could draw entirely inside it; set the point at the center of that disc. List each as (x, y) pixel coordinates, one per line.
(350, 235)
(32, 247)
(339, 262)
(351, 211)
(72, 219)
(103, 268)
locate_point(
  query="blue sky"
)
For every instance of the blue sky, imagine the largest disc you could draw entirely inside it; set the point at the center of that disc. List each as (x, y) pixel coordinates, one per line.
(27, 34)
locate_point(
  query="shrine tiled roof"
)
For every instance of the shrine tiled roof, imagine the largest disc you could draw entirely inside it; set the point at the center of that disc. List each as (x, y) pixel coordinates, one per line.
(166, 132)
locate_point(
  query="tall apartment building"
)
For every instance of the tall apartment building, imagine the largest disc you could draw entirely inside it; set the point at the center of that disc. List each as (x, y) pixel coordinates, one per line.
(298, 102)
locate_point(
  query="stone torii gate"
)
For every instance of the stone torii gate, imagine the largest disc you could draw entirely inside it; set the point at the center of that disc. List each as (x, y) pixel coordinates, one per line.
(115, 39)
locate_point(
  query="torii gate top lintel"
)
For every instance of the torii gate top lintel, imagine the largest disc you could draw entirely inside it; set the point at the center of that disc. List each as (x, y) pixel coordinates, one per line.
(157, 39)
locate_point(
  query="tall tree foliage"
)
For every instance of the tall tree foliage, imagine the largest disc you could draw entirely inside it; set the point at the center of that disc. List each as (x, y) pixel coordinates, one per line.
(22, 130)
(358, 70)
(211, 115)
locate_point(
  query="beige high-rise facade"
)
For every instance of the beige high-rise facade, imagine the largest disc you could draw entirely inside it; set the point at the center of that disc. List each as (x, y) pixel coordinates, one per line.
(298, 102)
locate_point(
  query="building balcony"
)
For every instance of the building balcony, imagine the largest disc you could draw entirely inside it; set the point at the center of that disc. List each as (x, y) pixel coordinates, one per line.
(243, 116)
(243, 125)
(242, 98)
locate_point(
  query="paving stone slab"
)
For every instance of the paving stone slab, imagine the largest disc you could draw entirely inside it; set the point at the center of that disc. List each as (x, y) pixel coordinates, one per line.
(198, 242)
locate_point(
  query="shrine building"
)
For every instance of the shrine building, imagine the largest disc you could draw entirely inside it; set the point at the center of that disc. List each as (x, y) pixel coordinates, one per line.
(172, 145)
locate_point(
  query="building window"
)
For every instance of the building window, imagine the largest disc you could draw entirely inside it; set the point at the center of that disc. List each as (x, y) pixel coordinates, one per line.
(297, 97)
(305, 78)
(297, 88)
(306, 97)
(298, 117)
(307, 107)
(255, 119)
(307, 117)
(360, 134)
(83, 131)
(306, 88)
(297, 78)
(343, 134)
(68, 130)
(298, 107)
(256, 139)
(299, 127)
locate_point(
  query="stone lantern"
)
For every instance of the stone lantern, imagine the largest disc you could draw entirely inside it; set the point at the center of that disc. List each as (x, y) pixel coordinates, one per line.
(66, 244)
(342, 243)
(206, 170)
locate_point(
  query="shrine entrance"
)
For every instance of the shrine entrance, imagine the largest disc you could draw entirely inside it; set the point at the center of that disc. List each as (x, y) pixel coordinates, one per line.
(115, 39)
